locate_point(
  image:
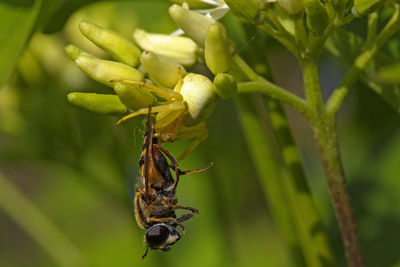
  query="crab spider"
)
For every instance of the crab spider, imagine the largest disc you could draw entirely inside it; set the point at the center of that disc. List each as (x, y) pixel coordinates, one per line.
(182, 114)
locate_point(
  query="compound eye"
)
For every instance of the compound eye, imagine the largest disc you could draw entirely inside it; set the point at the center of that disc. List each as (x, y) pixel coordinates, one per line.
(157, 235)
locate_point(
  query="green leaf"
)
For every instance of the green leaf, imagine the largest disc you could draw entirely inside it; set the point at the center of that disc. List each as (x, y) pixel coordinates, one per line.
(17, 20)
(346, 46)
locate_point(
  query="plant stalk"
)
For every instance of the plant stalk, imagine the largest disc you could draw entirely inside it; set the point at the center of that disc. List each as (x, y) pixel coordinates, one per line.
(311, 237)
(325, 134)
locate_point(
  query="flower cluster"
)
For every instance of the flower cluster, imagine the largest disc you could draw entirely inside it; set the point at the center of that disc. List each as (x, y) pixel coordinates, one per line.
(153, 72)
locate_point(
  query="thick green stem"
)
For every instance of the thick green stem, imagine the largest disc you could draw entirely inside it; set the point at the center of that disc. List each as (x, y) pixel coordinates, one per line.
(312, 86)
(325, 133)
(310, 227)
(307, 224)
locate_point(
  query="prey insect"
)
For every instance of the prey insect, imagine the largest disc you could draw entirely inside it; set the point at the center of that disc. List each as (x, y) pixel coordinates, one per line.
(155, 201)
(182, 115)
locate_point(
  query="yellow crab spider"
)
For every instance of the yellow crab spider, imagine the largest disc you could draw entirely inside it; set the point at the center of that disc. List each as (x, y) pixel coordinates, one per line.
(182, 114)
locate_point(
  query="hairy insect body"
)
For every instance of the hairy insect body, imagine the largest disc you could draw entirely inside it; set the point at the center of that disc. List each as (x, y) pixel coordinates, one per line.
(155, 202)
(145, 210)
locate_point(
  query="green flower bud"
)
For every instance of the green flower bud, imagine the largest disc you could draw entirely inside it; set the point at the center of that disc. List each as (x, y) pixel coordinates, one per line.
(104, 104)
(104, 71)
(226, 85)
(192, 23)
(193, 3)
(199, 94)
(114, 44)
(180, 49)
(162, 70)
(248, 9)
(292, 7)
(73, 52)
(363, 7)
(134, 97)
(317, 18)
(216, 50)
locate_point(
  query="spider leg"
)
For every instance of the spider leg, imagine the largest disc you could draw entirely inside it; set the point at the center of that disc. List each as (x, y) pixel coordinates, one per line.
(163, 93)
(198, 132)
(156, 109)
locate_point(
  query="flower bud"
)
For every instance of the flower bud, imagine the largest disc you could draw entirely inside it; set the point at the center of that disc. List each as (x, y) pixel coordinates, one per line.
(248, 9)
(194, 3)
(100, 103)
(192, 23)
(73, 52)
(225, 84)
(363, 7)
(180, 49)
(292, 7)
(162, 70)
(216, 50)
(134, 97)
(199, 94)
(114, 44)
(104, 71)
(317, 18)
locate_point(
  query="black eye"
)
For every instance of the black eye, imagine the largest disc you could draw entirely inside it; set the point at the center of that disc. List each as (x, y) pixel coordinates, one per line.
(157, 235)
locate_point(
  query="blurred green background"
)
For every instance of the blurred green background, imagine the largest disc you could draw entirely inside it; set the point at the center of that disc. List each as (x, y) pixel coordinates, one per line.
(74, 171)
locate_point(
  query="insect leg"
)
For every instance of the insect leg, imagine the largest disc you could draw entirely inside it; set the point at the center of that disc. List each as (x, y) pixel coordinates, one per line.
(180, 207)
(168, 220)
(185, 217)
(196, 170)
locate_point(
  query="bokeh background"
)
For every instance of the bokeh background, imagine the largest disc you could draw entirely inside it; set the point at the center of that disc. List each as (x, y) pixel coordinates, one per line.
(69, 174)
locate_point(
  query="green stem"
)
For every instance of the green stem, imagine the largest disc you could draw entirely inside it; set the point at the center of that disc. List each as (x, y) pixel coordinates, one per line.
(373, 20)
(308, 225)
(325, 134)
(260, 85)
(316, 44)
(40, 228)
(300, 33)
(272, 17)
(368, 52)
(280, 38)
(274, 92)
(312, 86)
